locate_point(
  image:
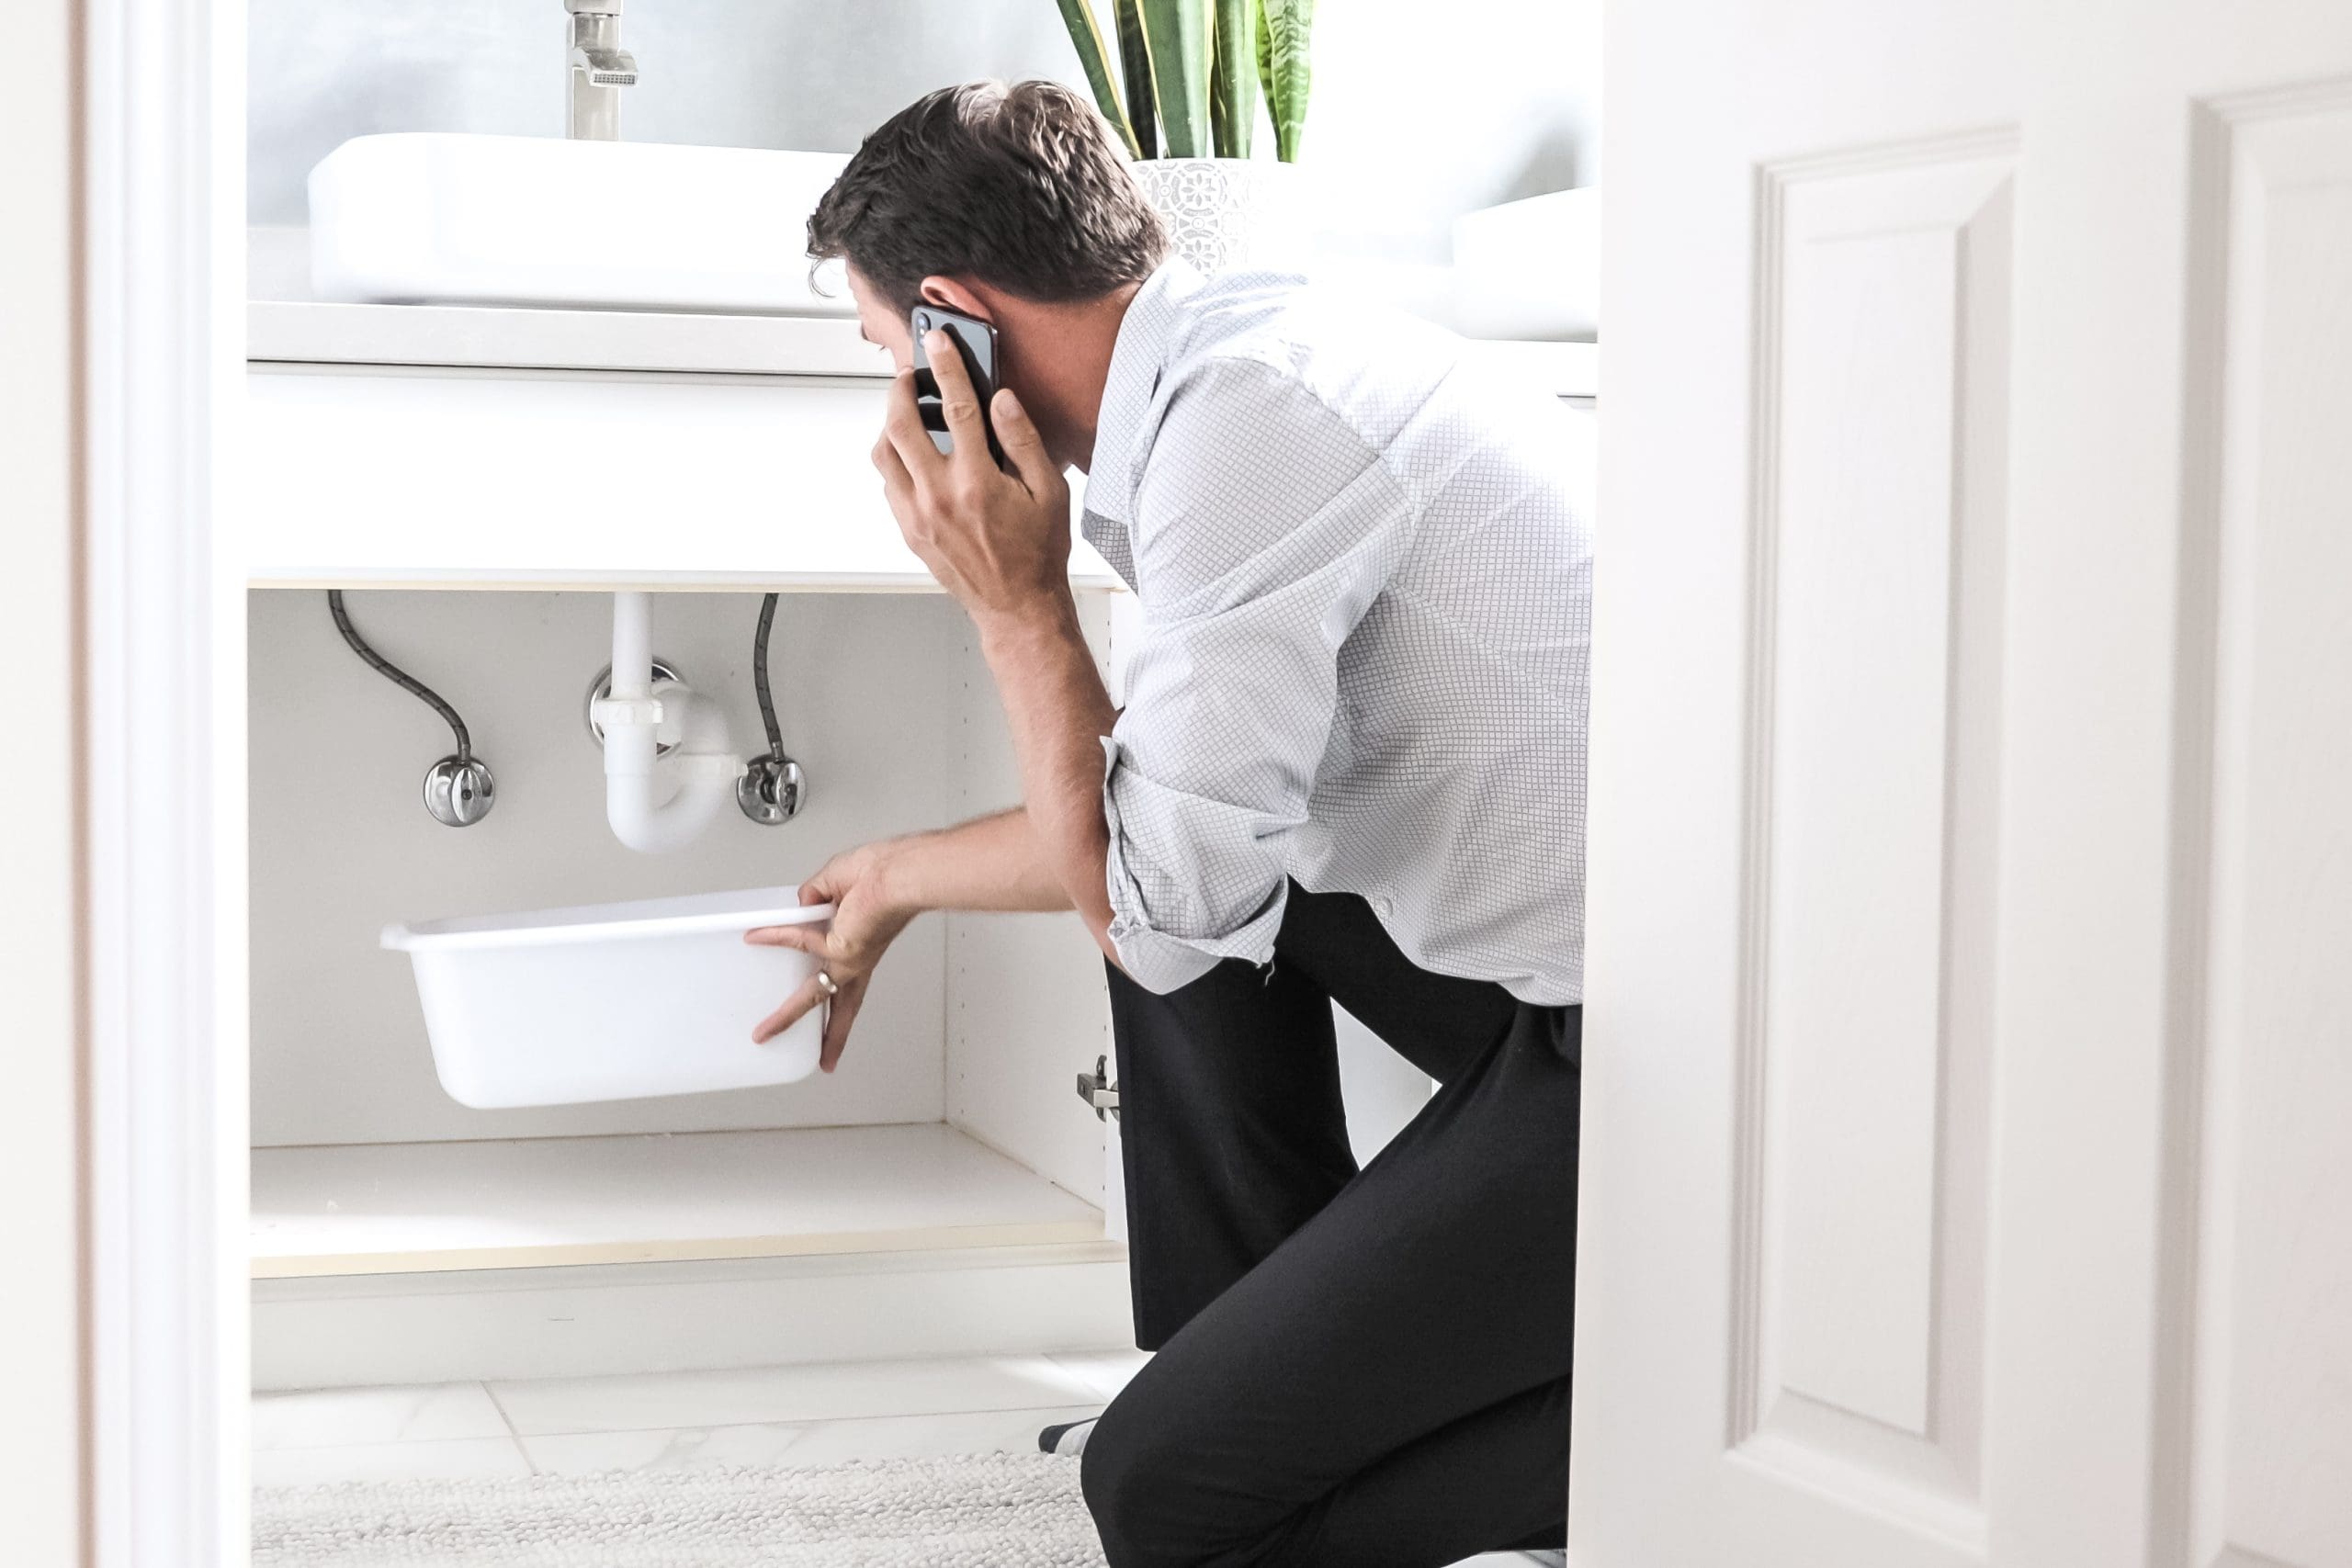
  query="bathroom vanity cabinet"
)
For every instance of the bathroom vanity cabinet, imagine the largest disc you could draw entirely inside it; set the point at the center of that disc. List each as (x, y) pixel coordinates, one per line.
(943, 1192)
(480, 481)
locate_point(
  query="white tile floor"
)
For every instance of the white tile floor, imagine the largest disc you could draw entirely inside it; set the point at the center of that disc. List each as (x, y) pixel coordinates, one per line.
(799, 1415)
(766, 1416)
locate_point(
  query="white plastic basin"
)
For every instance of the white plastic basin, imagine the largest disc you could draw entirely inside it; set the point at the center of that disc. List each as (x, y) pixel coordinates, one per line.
(429, 216)
(612, 1001)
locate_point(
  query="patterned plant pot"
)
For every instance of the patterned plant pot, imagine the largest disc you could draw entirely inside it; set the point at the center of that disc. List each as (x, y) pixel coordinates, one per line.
(1223, 213)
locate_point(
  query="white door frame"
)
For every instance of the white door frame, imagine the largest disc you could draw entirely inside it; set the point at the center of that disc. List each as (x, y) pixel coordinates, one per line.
(161, 193)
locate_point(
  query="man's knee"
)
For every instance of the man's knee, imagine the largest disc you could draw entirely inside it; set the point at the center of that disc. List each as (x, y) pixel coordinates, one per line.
(1109, 1474)
(1146, 1512)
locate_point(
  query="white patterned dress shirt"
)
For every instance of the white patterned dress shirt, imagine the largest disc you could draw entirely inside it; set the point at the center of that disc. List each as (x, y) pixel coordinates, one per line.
(1365, 597)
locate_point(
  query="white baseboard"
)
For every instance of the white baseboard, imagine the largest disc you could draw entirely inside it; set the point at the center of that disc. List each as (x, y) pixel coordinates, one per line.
(355, 1330)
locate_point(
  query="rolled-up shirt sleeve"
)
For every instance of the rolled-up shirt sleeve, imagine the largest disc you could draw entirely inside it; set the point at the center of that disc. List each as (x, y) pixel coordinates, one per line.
(1264, 528)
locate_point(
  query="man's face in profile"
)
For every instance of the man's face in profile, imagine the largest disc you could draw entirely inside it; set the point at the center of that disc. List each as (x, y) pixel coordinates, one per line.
(881, 322)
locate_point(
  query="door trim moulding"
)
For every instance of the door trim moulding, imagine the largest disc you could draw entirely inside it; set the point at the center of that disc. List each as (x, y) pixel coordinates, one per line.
(162, 198)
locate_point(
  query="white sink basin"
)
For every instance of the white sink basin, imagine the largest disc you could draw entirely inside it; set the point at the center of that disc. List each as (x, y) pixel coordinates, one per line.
(418, 217)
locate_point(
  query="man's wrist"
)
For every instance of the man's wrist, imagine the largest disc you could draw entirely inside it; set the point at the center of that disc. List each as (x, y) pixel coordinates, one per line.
(896, 874)
(1049, 618)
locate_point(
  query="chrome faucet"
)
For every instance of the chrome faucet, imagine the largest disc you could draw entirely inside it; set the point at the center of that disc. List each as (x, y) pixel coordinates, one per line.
(599, 69)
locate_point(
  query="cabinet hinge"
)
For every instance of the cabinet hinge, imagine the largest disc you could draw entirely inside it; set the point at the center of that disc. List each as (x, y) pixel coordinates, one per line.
(1096, 1088)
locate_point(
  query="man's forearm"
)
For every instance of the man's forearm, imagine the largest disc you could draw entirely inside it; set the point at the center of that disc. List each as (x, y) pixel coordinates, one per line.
(992, 863)
(1058, 711)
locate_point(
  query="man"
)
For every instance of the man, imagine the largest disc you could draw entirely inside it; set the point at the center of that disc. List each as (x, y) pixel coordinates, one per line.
(1350, 768)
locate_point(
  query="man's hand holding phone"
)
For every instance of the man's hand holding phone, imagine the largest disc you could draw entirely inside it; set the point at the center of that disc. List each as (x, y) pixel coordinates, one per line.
(980, 353)
(996, 538)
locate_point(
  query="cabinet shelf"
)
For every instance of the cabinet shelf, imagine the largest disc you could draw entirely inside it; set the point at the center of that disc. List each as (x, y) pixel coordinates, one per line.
(369, 1209)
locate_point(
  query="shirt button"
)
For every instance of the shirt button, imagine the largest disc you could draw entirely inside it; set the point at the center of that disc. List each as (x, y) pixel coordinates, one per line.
(1382, 907)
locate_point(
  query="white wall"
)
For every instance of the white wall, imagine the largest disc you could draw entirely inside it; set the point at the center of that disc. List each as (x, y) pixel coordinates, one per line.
(805, 73)
(1417, 114)
(870, 687)
(1421, 113)
(40, 1114)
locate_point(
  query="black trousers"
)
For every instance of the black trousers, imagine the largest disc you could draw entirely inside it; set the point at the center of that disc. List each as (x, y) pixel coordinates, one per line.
(1366, 1369)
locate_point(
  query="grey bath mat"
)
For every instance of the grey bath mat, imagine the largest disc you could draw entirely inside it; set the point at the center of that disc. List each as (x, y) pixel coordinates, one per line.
(998, 1510)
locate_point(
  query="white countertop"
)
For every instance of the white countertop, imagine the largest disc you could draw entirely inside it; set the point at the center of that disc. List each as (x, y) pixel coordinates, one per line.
(294, 332)
(308, 332)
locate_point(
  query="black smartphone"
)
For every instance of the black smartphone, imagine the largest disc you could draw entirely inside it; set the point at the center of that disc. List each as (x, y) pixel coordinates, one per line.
(977, 342)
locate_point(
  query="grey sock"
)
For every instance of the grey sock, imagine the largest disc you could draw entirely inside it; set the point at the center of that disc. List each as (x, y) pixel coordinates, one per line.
(1068, 1438)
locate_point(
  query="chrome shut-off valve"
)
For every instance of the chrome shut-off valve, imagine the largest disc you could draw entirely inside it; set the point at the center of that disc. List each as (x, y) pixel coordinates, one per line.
(772, 789)
(458, 789)
(770, 792)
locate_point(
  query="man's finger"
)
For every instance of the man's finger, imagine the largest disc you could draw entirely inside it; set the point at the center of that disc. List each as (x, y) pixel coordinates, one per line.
(1039, 474)
(829, 881)
(957, 401)
(897, 485)
(799, 1004)
(902, 427)
(805, 939)
(846, 1006)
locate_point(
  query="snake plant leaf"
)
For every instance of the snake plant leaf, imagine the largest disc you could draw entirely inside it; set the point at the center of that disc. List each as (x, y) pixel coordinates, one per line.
(1177, 33)
(1134, 64)
(1265, 59)
(1078, 15)
(1233, 78)
(1287, 70)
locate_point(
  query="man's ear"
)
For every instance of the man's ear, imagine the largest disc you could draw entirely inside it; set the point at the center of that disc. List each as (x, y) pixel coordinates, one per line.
(951, 294)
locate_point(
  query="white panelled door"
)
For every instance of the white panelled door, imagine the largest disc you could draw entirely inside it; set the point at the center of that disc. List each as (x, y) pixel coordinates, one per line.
(1968, 1136)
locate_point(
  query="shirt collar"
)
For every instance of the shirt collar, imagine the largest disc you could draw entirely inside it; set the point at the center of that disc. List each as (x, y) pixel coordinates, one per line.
(1131, 389)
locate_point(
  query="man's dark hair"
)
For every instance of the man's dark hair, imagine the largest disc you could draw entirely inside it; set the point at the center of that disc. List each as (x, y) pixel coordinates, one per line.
(1021, 187)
